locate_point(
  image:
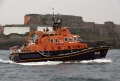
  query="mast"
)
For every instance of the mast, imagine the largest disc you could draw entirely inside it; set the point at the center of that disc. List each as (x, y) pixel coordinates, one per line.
(56, 24)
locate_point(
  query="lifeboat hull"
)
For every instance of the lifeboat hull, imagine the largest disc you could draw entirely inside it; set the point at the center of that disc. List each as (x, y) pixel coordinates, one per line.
(60, 55)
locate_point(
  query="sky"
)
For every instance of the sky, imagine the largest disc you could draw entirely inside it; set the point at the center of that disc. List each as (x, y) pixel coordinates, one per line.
(98, 11)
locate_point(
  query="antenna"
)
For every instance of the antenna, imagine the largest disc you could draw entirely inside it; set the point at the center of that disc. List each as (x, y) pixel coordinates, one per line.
(53, 16)
(58, 18)
(57, 21)
(61, 20)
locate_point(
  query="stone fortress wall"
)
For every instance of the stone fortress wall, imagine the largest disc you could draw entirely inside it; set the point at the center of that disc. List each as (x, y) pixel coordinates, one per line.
(38, 22)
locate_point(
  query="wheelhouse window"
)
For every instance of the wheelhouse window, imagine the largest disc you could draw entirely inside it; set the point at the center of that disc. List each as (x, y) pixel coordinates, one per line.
(75, 38)
(70, 38)
(36, 36)
(65, 39)
(52, 40)
(56, 40)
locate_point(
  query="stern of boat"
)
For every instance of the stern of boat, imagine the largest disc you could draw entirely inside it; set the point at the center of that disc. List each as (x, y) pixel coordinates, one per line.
(14, 54)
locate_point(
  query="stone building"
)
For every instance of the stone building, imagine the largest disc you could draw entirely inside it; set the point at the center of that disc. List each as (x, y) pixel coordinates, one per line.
(66, 20)
(101, 29)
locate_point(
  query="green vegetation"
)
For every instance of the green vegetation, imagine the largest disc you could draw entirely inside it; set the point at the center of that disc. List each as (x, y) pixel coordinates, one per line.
(7, 41)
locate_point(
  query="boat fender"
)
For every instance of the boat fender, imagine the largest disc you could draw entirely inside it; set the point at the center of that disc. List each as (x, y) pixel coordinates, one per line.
(15, 48)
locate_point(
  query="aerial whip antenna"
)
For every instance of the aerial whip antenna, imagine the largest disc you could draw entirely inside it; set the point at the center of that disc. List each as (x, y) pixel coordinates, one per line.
(53, 16)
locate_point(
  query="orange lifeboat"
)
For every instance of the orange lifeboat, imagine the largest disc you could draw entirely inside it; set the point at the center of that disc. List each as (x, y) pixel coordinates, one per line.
(56, 45)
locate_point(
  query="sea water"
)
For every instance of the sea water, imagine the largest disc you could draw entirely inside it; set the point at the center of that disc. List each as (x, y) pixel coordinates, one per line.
(107, 69)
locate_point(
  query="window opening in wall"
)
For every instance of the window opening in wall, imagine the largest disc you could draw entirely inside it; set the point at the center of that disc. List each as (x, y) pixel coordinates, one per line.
(70, 38)
(65, 39)
(56, 40)
(75, 38)
(52, 40)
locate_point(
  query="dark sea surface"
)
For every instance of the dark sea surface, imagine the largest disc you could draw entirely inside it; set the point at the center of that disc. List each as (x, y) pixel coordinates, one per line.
(107, 69)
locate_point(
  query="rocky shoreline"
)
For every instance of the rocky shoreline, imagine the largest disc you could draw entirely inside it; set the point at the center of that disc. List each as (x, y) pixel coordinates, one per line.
(7, 42)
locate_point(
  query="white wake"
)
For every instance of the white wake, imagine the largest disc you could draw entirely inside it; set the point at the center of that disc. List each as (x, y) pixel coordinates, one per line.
(57, 62)
(32, 63)
(41, 63)
(6, 61)
(97, 61)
